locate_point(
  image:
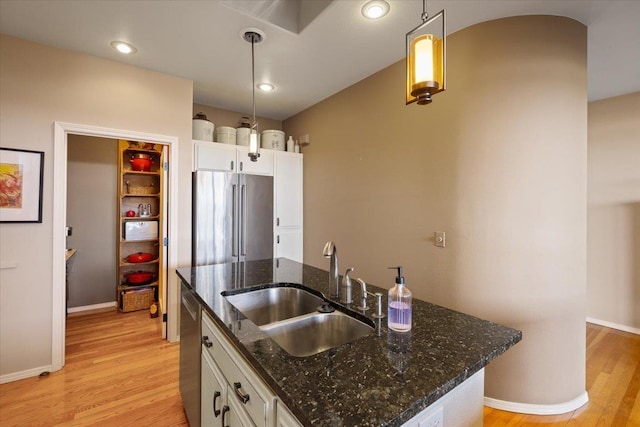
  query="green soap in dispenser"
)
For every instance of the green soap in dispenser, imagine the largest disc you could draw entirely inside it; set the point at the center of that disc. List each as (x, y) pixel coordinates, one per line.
(399, 313)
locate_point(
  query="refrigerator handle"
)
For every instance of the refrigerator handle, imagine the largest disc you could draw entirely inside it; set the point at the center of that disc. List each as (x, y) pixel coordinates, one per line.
(234, 239)
(243, 214)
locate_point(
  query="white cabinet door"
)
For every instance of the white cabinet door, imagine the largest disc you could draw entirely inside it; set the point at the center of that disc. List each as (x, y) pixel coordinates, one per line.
(262, 166)
(213, 393)
(237, 416)
(288, 244)
(284, 417)
(214, 156)
(288, 191)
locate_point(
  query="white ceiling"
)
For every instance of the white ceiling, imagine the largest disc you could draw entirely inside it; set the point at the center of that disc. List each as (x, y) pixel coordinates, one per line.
(200, 41)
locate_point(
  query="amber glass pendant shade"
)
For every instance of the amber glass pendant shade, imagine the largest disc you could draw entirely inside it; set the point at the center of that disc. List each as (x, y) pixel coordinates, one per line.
(426, 60)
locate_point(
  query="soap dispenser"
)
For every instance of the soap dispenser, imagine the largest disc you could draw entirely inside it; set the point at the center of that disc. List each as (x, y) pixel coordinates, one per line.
(399, 314)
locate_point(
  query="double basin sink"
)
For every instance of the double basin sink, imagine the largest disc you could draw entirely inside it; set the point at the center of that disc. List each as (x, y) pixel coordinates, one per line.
(290, 317)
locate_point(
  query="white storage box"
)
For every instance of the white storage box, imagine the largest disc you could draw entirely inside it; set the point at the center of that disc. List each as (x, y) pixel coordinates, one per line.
(140, 230)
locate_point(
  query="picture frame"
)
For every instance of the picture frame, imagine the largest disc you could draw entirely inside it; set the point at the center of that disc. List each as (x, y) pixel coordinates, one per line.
(21, 179)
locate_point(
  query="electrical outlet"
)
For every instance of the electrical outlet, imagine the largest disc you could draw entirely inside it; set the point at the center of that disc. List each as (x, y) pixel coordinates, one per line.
(440, 239)
(434, 419)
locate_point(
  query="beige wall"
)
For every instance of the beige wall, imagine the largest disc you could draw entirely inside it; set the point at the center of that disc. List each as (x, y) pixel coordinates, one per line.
(92, 194)
(38, 86)
(613, 256)
(498, 162)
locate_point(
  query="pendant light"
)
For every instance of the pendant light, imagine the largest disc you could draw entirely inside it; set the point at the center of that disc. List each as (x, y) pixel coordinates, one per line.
(426, 58)
(253, 36)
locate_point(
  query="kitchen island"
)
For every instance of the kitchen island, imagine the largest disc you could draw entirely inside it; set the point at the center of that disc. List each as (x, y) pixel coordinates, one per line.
(382, 379)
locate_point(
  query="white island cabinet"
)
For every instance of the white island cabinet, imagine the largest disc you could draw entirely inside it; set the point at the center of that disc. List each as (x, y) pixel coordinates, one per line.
(231, 393)
(284, 418)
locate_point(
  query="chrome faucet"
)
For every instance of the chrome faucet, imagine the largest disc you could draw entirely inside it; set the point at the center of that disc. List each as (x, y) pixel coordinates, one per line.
(330, 251)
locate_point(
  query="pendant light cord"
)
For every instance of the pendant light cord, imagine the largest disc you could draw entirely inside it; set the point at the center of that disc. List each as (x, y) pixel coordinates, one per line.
(425, 15)
(253, 81)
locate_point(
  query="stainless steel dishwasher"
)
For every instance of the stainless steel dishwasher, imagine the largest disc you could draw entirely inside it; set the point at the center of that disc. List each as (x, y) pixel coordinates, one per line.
(190, 355)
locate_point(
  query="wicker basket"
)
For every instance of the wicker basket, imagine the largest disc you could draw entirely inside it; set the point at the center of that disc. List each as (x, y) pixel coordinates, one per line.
(142, 190)
(139, 299)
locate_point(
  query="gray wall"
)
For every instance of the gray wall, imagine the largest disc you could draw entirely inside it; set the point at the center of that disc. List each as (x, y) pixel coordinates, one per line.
(92, 176)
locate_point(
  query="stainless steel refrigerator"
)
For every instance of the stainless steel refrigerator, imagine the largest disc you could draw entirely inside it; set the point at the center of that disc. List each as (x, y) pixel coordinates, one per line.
(232, 217)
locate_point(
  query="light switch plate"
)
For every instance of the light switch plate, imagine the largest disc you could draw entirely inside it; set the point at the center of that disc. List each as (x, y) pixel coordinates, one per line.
(440, 239)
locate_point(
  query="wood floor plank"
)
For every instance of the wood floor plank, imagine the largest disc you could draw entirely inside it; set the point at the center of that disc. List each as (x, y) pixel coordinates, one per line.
(613, 384)
(118, 372)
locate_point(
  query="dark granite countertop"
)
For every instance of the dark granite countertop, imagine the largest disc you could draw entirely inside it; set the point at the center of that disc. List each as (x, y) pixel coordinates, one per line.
(383, 379)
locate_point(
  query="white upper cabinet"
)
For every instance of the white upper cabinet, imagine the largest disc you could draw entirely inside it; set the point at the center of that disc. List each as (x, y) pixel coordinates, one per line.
(212, 156)
(262, 166)
(230, 158)
(288, 190)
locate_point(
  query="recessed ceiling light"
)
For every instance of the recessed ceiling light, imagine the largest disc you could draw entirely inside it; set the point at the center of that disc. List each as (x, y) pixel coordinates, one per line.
(265, 87)
(375, 9)
(123, 47)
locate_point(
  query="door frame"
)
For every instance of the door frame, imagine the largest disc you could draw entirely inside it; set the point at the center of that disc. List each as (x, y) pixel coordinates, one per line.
(58, 315)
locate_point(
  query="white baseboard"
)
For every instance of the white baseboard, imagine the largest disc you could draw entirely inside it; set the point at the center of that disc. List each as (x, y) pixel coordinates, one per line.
(612, 325)
(528, 408)
(33, 372)
(91, 307)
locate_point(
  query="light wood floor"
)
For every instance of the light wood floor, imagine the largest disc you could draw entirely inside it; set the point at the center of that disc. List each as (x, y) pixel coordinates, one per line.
(120, 373)
(613, 384)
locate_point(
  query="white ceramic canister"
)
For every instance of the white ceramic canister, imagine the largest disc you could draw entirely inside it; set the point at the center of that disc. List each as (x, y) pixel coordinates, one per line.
(273, 139)
(202, 128)
(225, 135)
(242, 136)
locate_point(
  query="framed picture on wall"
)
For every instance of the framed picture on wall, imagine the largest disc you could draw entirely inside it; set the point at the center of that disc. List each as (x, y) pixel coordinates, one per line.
(21, 175)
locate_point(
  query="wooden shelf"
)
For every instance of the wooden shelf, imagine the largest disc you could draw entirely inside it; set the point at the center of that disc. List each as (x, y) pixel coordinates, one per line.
(141, 195)
(125, 287)
(140, 241)
(124, 263)
(138, 218)
(141, 150)
(132, 172)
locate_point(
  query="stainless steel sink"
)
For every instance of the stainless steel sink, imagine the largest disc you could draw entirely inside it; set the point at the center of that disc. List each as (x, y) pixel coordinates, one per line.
(314, 333)
(290, 317)
(264, 306)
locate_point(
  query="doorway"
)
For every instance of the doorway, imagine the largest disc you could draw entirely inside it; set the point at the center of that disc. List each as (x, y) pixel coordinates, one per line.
(62, 131)
(92, 177)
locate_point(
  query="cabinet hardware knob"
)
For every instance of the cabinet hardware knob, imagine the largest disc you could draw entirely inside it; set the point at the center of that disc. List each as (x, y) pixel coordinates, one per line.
(225, 409)
(278, 239)
(244, 398)
(206, 342)
(231, 164)
(278, 222)
(216, 395)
